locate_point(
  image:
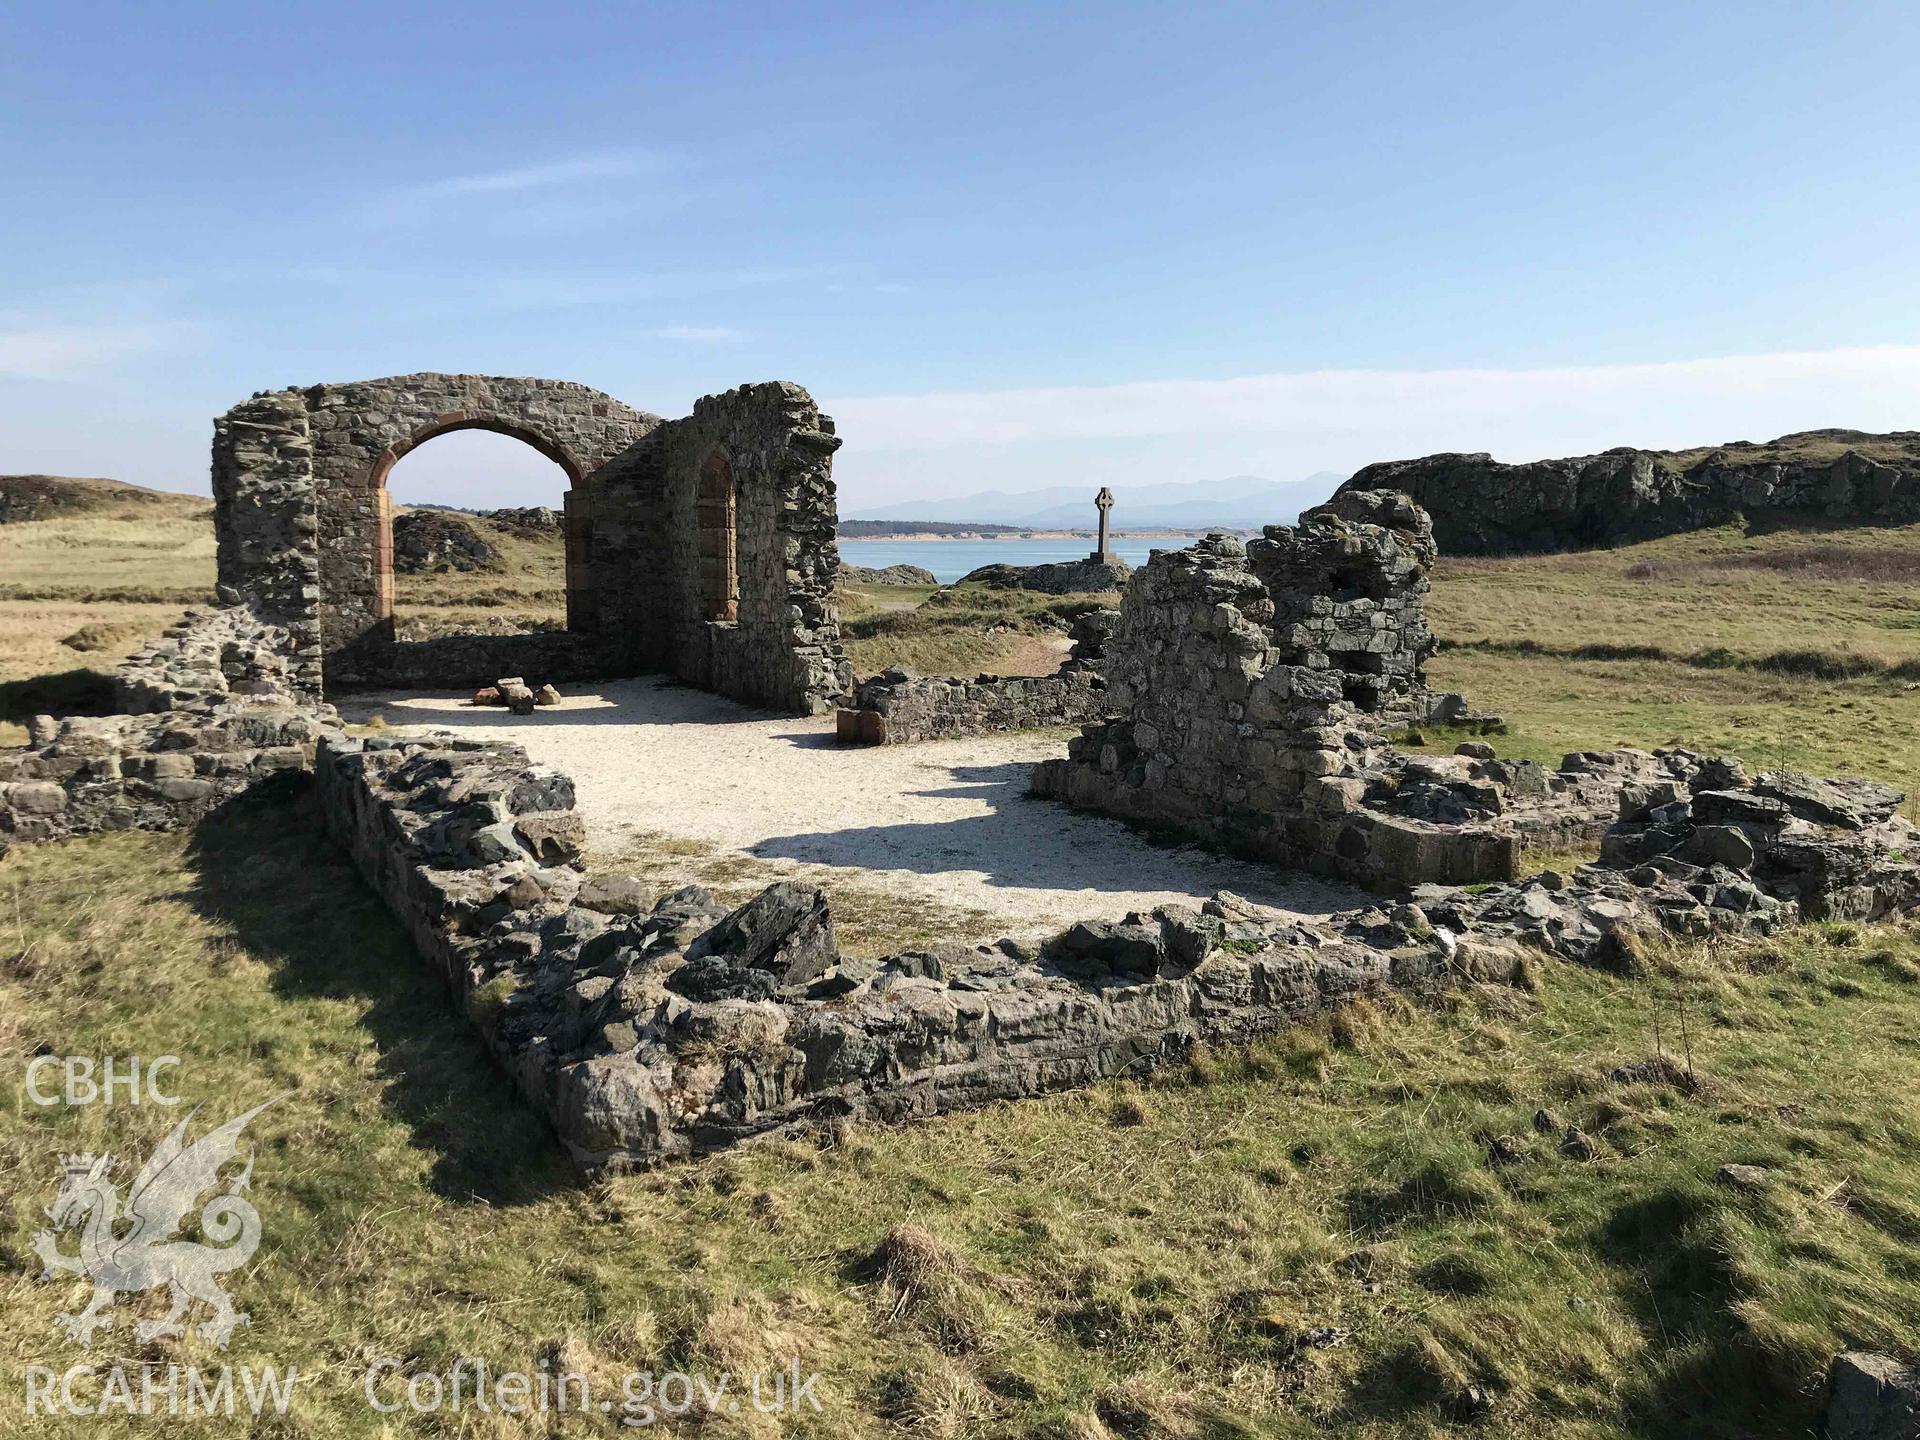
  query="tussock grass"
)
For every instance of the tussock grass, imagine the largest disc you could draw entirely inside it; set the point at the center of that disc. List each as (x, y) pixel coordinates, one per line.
(1304, 1234)
(1359, 1226)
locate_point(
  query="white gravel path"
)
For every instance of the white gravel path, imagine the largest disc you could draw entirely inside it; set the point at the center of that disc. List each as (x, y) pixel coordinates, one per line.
(946, 821)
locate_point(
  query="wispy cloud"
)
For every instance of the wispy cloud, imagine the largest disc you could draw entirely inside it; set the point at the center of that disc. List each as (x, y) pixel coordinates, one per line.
(66, 352)
(1288, 425)
(1686, 402)
(548, 175)
(710, 334)
(440, 291)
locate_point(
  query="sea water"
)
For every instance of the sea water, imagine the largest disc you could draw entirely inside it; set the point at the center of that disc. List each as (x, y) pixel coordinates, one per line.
(950, 559)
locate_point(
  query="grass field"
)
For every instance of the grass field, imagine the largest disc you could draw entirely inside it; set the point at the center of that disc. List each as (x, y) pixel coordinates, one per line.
(1310, 1234)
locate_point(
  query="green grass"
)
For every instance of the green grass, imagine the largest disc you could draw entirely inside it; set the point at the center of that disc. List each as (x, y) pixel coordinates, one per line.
(961, 630)
(1305, 1234)
(1785, 648)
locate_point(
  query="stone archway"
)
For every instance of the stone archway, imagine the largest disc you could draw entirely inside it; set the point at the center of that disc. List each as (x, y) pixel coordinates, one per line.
(721, 573)
(307, 469)
(579, 577)
(718, 518)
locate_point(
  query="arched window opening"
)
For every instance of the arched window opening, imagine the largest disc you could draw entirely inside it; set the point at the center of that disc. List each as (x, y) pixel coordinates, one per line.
(718, 522)
(473, 539)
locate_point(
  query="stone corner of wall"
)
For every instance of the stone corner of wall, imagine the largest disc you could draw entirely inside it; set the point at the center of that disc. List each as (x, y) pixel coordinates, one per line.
(208, 711)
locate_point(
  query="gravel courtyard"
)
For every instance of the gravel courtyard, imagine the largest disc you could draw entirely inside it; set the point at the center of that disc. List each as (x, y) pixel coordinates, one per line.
(947, 823)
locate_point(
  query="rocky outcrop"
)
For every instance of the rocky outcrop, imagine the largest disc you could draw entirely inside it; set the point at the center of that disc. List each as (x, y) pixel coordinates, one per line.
(1872, 1397)
(50, 497)
(885, 575)
(213, 711)
(1482, 507)
(529, 520)
(436, 542)
(1068, 577)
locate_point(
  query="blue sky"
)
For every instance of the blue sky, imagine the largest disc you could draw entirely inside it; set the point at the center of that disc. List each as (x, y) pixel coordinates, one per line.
(1006, 246)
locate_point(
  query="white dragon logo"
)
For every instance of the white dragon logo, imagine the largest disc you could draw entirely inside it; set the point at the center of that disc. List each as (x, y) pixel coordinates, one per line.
(148, 1256)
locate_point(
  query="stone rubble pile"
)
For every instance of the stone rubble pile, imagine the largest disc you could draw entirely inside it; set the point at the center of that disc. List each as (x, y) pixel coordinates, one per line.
(513, 692)
(214, 711)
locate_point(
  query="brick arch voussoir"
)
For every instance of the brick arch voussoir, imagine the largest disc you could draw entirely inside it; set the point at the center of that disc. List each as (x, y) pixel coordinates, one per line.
(453, 420)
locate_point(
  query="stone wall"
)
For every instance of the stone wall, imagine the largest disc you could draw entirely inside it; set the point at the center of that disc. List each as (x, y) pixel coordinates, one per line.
(783, 648)
(1347, 586)
(898, 707)
(303, 521)
(266, 521)
(1250, 690)
(299, 485)
(215, 708)
(1482, 507)
(646, 1031)
(543, 657)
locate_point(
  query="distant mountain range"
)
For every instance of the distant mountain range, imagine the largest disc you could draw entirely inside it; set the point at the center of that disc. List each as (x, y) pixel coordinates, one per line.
(1239, 502)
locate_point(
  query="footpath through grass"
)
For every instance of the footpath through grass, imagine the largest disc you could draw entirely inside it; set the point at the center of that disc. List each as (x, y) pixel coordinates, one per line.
(1312, 1233)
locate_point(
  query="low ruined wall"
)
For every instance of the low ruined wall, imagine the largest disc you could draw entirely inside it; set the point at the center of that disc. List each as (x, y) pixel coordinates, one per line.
(1344, 592)
(216, 709)
(465, 662)
(1221, 731)
(647, 1033)
(896, 708)
(1250, 691)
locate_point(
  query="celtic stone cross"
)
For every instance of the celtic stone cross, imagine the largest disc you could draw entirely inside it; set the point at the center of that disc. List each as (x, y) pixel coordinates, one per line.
(1103, 502)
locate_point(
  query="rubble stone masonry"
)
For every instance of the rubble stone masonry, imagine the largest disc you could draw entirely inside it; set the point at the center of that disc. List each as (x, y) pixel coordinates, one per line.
(703, 546)
(214, 710)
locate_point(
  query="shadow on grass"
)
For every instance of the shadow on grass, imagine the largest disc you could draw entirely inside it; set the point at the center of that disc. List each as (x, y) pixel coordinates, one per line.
(1710, 1377)
(295, 901)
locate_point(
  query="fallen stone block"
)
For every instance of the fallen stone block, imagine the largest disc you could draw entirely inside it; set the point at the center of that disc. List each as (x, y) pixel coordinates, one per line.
(1872, 1397)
